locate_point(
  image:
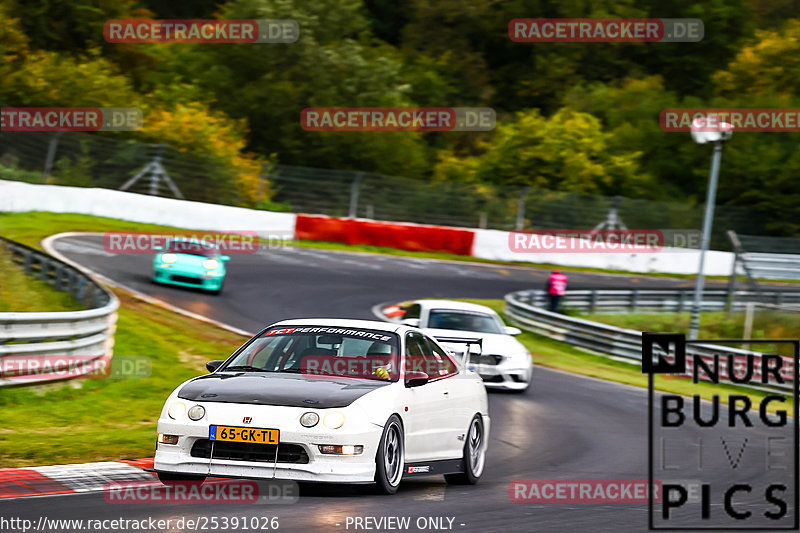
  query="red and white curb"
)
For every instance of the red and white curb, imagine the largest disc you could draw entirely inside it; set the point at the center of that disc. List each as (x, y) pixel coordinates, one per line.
(69, 479)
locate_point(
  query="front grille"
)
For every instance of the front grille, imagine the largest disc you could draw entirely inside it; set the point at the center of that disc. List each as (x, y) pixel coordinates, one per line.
(244, 451)
(476, 359)
(492, 379)
(186, 279)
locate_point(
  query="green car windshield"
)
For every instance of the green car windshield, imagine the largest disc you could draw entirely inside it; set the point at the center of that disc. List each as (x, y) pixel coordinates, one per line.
(190, 248)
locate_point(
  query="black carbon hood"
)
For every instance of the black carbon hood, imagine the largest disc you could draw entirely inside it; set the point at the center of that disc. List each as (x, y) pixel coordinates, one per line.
(291, 390)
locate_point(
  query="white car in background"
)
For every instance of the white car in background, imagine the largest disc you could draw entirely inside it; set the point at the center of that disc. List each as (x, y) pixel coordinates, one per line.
(503, 362)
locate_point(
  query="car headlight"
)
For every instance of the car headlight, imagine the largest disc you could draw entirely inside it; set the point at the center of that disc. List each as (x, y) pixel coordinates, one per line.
(169, 258)
(309, 420)
(197, 412)
(334, 420)
(210, 264)
(176, 410)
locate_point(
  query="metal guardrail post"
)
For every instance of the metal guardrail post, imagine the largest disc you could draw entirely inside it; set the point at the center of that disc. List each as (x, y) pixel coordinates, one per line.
(634, 297)
(593, 302)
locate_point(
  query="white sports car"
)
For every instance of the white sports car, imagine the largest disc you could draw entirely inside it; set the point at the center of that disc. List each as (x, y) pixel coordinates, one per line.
(350, 401)
(503, 362)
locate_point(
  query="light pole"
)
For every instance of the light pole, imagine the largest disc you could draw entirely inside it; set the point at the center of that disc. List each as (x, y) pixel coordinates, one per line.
(706, 130)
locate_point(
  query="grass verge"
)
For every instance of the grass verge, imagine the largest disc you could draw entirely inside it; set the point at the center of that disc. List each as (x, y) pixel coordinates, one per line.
(21, 293)
(107, 419)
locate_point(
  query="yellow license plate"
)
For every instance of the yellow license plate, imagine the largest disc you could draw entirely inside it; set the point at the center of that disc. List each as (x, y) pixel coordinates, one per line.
(240, 434)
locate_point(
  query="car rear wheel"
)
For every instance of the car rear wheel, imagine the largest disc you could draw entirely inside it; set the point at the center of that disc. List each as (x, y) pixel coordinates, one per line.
(390, 459)
(169, 478)
(474, 455)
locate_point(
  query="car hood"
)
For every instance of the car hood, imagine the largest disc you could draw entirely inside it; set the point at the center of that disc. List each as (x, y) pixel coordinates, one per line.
(291, 390)
(493, 343)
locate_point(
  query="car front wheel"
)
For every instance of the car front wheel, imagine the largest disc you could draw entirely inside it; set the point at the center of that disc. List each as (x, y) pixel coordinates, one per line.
(390, 459)
(474, 455)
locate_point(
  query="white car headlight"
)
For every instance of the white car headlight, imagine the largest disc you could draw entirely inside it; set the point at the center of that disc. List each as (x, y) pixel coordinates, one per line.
(334, 420)
(169, 258)
(210, 264)
(176, 410)
(197, 412)
(309, 420)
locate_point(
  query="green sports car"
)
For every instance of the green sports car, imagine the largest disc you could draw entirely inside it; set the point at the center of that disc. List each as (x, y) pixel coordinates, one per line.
(190, 264)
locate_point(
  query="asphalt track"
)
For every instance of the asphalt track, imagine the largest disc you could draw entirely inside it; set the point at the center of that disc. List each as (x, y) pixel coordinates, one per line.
(566, 427)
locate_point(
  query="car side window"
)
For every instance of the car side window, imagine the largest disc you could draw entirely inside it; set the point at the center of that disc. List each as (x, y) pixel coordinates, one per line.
(445, 363)
(419, 357)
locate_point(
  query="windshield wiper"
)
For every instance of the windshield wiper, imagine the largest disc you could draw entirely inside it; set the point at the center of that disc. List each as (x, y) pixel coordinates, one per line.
(244, 368)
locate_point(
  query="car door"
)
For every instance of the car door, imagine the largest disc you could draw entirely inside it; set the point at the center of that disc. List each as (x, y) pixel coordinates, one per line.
(460, 406)
(426, 434)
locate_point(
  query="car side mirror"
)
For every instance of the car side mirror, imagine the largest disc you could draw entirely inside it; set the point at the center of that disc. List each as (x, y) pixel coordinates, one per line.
(416, 379)
(224, 258)
(511, 330)
(212, 366)
(413, 322)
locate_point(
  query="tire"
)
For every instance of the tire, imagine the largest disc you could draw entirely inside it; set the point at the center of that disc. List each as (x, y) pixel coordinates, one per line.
(390, 459)
(474, 455)
(169, 478)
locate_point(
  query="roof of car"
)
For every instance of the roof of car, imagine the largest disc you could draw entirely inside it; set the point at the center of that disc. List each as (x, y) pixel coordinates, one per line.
(341, 323)
(450, 304)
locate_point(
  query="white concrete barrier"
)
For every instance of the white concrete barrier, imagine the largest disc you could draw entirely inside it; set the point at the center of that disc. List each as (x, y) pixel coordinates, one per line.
(487, 244)
(20, 197)
(493, 244)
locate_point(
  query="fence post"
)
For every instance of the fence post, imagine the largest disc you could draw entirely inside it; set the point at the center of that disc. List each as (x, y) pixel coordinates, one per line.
(681, 300)
(483, 220)
(353, 213)
(51, 155)
(634, 297)
(520, 222)
(593, 302)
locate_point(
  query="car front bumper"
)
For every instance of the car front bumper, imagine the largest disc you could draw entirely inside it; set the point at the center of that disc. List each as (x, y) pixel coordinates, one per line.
(179, 458)
(185, 278)
(504, 376)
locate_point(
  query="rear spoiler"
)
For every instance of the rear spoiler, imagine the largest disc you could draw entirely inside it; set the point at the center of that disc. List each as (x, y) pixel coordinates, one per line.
(462, 340)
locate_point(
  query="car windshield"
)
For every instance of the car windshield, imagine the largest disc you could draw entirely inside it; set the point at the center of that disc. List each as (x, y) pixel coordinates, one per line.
(462, 321)
(321, 351)
(190, 248)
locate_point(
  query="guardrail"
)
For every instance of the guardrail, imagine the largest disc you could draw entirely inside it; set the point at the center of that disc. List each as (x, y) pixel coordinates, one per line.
(49, 346)
(603, 338)
(669, 300)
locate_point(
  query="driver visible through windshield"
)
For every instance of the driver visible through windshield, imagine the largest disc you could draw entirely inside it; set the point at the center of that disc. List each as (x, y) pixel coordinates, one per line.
(321, 351)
